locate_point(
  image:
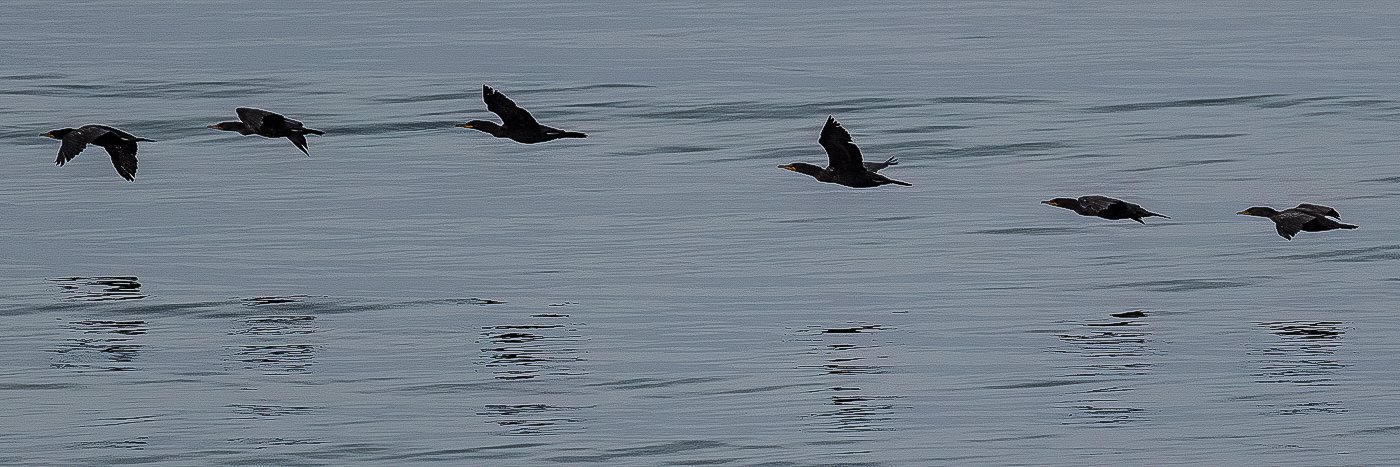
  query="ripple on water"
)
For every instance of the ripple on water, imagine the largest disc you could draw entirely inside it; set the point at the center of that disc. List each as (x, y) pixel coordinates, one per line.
(851, 362)
(100, 288)
(1116, 353)
(534, 419)
(275, 344)
(544, 346)
(1259, 99)
(1302, 359)
(101, 345)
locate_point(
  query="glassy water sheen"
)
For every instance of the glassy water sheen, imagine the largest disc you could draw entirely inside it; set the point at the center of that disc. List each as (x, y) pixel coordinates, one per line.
(660, 293)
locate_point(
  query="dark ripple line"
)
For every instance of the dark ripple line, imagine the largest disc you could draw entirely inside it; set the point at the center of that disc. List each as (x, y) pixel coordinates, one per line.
(1183, 285)
(1040, 384)
(748, 110)
(1352, 255)
(673, 447)
(1183, 103)
(1191, 136)
(1300, 101)
(1029, 148)
(651, 383)
(663, 150)
(1181, 165)
(36, 386)
(476, 94)
(33, 76)
(1030, 231)
(380, 128)
(464, 452)
(143, 89)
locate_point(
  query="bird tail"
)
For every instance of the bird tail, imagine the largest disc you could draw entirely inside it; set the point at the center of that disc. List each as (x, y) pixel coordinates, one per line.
(571, 134)
(1346, 226)
(1150, 214)
(311, 131)
(897, 182)
(146, 140)
(891, 161)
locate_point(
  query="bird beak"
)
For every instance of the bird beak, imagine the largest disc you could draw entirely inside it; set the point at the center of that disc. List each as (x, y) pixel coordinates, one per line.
(46, 135)
(213, 126)
(1049, 202)
(788, 167)
(1246, 212)
(466, 125)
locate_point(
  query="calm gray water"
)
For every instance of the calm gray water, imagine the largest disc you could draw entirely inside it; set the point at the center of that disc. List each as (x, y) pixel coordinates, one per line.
(661, 293)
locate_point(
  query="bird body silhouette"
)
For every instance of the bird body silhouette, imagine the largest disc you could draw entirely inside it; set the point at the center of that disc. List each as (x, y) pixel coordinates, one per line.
(844, 164)
(119, 144)
(1103, 206)
(516, 123)
(260, 122)
(1301, 218)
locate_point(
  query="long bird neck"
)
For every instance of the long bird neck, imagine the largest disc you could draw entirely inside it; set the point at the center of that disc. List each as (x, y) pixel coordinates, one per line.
(234, 126)
(489, 127)
(808, 169)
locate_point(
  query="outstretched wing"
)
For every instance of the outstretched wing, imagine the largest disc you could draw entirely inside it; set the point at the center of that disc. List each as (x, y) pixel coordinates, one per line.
(300, 141)
(1095, 204)
(841, 152)
(1289, 222)
(75, 141)
(511, 115)
(123, 152)
(262, 120)
(876, 166)
(1318, 209)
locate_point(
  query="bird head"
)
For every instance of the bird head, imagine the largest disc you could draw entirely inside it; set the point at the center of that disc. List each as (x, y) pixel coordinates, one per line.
(485, 126)
(802, 167)
(1261, 211)
(57, 134)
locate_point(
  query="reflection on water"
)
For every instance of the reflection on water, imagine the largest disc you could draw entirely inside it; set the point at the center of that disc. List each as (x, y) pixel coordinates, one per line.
(101, 345)
(1113, 352)
(100, 289)
(1305, 357)
(271, 410)
(533, 419)
(850, 357)
(138, 443)
(276, 344)
(546, 347)
(275, 300)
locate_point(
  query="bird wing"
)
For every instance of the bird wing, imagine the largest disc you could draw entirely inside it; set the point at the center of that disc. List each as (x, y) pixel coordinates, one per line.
(1095, 204)
(300, 141)
(259, 119)
(1290, 222)
(75, 141)
(511, 115)
(123, 152)
(876, 166)
(1318, 209)
(841, 152)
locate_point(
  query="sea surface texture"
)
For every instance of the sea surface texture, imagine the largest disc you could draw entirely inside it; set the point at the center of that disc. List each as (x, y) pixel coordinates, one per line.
(661, 293)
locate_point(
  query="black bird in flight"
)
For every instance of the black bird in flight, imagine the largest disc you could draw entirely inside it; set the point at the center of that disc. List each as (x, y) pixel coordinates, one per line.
(1301, 218)
(516, 123)
(1103, 206)
(844, 165)
(119, 144)
(269, 124)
